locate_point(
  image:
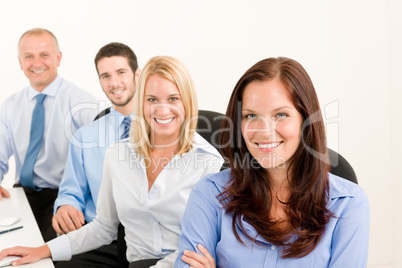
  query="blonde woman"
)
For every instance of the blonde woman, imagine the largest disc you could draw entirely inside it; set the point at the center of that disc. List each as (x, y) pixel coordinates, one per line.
(147, 177)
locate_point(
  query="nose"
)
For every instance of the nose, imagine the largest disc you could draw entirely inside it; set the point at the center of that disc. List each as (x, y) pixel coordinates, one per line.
(162, 109)
(267, 125)
(37, 61)
(114, 81)
(262, 126)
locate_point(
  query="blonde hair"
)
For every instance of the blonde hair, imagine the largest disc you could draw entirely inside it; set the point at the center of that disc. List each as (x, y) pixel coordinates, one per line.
(176, 72)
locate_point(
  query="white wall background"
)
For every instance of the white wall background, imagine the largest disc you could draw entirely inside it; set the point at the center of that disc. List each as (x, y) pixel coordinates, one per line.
(351, 49)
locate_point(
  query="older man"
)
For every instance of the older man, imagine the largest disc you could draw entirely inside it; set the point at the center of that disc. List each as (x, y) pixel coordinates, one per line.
(37, 124)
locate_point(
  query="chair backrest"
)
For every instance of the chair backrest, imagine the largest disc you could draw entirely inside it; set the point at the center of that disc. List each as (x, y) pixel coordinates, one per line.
(209, 125)
(104, 112)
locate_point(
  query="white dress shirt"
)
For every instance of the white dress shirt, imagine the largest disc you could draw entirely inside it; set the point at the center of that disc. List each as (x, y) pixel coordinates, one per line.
(152, 219)
(67, 108)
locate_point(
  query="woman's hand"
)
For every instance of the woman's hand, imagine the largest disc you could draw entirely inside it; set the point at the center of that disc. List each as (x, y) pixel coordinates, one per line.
(196, 260)
(28, 254)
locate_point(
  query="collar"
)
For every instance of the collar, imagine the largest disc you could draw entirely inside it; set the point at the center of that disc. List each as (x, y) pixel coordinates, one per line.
(50, 90)
(340, 187)
(200, 143)
(118, 117)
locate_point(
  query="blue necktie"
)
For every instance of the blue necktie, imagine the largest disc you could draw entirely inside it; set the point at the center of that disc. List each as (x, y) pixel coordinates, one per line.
(35, 142)
(126, 123)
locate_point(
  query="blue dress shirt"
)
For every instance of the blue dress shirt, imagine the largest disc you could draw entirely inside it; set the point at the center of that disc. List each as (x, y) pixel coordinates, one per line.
(84, 168)
(344, 243)
(67, 108)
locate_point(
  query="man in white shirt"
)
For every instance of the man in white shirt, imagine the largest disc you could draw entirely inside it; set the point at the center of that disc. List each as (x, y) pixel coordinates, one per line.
(118, 72)
(37, 124)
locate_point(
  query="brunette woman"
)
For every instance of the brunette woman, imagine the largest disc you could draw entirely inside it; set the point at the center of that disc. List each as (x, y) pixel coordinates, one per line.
(277, 205)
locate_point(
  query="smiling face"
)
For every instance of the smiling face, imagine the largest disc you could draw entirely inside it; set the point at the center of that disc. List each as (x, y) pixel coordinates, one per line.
(39, 58)
(163, 110)
(271, 125)
(118, 82)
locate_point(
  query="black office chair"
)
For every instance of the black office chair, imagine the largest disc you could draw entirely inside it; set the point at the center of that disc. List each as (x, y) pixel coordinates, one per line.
(104, 112)
(209, 125)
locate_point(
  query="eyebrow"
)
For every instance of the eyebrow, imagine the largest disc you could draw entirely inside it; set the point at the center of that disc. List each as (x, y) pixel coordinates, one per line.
(118, 70)
(31, 53)
(284, 107)
(121, 69)
(276, 109)
(171, 95)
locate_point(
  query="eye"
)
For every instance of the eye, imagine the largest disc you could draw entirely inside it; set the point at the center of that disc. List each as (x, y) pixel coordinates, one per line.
(122, 72)
(105, 76)
(250, 116)
(44, 55)
(28, 57)
(281, 115)
(151, 100)
(173, 99)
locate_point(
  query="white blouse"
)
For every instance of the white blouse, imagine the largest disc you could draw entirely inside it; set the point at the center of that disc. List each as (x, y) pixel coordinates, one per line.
(152, 219)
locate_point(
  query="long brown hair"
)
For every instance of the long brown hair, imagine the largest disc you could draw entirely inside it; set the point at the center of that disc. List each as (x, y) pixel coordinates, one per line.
(249, 193)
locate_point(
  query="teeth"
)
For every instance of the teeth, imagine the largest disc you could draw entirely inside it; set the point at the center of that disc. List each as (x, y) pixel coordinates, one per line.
(117, 92)
(167, 121)
(269, 145)
(38, 72)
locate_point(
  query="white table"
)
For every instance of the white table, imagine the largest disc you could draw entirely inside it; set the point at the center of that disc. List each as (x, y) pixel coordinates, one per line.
(17, 206)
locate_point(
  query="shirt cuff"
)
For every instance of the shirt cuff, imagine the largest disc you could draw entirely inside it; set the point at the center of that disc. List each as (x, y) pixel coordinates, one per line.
(60, 248)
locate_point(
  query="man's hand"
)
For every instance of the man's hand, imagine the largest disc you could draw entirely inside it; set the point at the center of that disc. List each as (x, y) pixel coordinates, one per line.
(67, 219)
(28, 255)
(3, 192)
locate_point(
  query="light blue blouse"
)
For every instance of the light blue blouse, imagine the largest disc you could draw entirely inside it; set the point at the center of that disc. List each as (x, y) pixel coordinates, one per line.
(344, 243)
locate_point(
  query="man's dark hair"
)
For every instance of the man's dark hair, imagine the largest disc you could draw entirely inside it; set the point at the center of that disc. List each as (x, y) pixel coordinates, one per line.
(117, 49)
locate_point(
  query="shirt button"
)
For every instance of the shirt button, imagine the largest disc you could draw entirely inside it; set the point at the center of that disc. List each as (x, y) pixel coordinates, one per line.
(273, 247)
(155, 224)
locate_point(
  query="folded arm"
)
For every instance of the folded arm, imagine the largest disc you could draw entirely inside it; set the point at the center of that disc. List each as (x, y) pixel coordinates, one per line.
(199, 226)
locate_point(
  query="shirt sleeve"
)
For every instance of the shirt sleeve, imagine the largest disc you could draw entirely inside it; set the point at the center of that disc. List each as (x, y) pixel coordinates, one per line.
(350, 238)
(101, 231)
(59, 248)
(200, 222)
(73, 187)
(5, 142)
